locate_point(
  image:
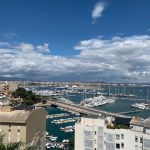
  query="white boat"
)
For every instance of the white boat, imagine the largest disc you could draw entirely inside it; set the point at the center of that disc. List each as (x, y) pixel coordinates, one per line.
(96, 101)
(53, 138)
(139, 105)
(65, 141)
(47, 133)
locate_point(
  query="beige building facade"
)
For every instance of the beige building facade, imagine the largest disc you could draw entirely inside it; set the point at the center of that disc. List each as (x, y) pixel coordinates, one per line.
(27, 126)
(8, 86)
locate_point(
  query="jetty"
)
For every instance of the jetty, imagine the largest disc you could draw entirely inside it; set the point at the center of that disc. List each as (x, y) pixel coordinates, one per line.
(82, 109)
(130, 112)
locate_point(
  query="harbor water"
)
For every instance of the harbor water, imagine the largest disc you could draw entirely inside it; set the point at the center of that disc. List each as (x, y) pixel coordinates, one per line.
(131, 96)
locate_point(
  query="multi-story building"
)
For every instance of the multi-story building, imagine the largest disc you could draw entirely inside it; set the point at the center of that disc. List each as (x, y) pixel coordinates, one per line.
(12, 86)
(8, 86)
(103, 134)
(3, 87)
(27, 126)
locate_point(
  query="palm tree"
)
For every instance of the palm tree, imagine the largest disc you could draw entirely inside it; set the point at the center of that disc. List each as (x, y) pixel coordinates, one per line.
(30, 148)
(9, 146)
(14, 146)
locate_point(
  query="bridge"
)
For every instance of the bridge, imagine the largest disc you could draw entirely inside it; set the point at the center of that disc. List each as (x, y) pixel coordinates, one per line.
(82, 109)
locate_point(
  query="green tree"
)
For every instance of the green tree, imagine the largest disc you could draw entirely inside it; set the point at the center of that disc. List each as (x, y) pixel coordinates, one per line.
(29, 98)
(28, 102)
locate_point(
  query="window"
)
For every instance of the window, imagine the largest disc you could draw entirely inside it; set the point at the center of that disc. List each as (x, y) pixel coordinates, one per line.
(110, 146)
(18, 130)
(122, 145)
(141, 140)
(146, 143)
(95, 132)
(117, 146)
(136, 138)
(117, 137)
(110, 137)
(9, 130)
(88, 134)
(89, 143)
(136, 147)
(122, 136)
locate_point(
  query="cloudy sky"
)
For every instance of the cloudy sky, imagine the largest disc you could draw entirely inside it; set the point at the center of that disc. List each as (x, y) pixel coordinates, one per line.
(75, 40)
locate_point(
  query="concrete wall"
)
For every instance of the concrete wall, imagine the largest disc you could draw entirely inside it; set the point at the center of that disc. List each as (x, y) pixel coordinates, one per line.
(137, 128)
(12, 86)
(79, 136)
(36, 124)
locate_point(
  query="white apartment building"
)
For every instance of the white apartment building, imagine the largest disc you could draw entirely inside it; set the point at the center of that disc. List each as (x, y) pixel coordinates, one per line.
(94, 134)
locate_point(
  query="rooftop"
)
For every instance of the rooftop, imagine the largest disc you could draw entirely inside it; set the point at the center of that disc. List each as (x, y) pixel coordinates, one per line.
(137, 121)
(140, 122)
(16, 116)
(146, 123)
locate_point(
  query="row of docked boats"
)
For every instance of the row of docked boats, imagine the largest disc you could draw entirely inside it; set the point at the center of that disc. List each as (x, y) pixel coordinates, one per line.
(141, 106)
(58, 145)
(67, 129)
(54, 145)
(57, 115)
(54, 138)
(97, 101)
(67, 120)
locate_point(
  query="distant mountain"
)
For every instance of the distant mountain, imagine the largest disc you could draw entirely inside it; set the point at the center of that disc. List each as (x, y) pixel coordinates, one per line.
(11, 79)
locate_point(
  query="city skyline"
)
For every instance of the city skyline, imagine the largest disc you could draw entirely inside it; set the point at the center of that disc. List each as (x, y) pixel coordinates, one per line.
(71, 40)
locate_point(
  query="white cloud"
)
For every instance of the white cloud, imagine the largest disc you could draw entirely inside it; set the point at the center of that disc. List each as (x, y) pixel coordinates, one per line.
(43, 48)
(127, 57)
(26, 47)
(98, 10)
(119, 58)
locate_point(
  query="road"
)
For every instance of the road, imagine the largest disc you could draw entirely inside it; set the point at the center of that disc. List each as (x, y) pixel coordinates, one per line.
(83, 109)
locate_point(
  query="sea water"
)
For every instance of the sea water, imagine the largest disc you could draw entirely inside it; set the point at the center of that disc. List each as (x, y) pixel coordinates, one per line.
(142, 94)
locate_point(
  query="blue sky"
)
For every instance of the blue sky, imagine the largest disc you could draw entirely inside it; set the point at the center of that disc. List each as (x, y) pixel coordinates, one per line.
(83, 40)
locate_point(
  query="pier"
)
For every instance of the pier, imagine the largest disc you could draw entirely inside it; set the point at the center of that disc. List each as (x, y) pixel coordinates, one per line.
(129, 112)
(82, 109)
(58, 145)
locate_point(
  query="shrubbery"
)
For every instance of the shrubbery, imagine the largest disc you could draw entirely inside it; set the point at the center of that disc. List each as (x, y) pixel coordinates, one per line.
(117, 126)
(28, 97)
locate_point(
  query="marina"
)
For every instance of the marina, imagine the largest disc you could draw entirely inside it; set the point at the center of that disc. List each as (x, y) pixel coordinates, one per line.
(55, 129)
(63, 128)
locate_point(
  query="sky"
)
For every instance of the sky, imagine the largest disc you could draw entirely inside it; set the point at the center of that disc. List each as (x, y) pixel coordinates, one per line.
(75, 40)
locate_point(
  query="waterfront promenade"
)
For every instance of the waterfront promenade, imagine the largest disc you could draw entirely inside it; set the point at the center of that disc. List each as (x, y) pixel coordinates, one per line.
(81, 109)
